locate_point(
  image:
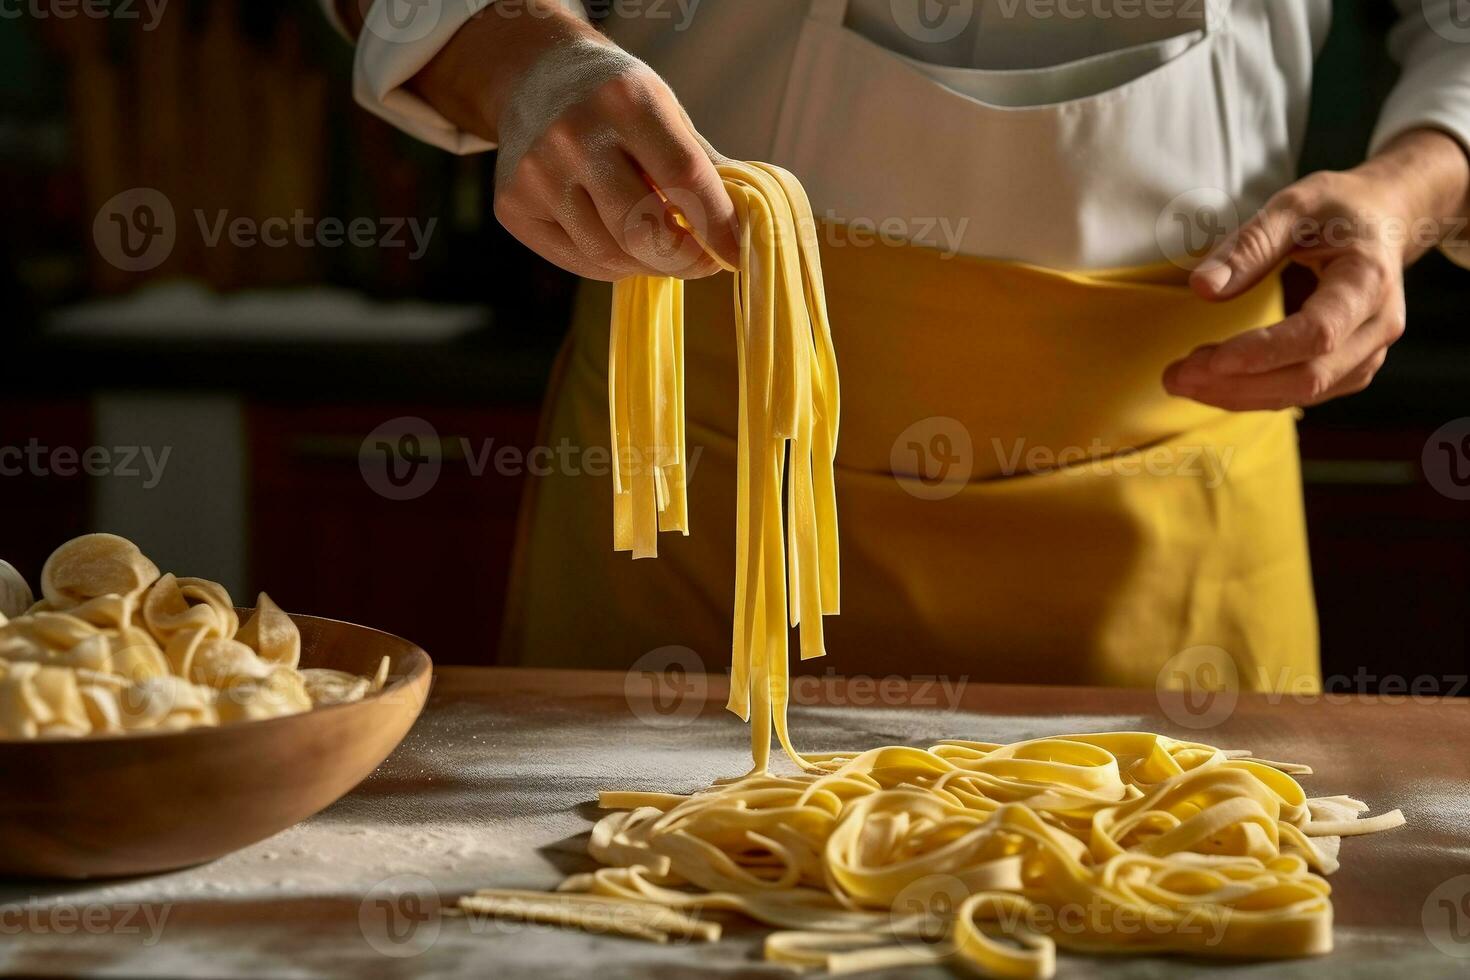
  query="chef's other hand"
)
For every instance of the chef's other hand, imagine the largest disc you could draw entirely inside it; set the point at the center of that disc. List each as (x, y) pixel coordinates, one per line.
(583, 129)
(1356, 230)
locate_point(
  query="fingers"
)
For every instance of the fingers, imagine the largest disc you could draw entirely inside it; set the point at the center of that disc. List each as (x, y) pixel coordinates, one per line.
(1246, 257)
(554, 243)
(642, 224)
(683, 169)
(1349, 291)
(584, 225)
(570, 234)
(611, 177)
(1338, 225)
(1345, 370)
(609, 227)
(573, 238)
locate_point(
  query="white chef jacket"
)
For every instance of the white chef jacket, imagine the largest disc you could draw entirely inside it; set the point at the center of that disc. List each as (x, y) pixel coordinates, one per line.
(728, 62)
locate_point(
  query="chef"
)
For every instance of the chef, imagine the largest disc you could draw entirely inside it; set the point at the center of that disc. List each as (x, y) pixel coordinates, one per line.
(1052, 234)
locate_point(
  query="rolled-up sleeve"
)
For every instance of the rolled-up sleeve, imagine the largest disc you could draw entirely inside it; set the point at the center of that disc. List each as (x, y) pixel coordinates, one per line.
(398, 38)
(1431, 42)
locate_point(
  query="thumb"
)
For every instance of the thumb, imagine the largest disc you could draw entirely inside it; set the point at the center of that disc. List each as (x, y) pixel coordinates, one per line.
(1246, 257)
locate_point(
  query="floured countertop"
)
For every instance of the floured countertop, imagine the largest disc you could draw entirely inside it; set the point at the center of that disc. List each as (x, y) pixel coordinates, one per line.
(496, 786)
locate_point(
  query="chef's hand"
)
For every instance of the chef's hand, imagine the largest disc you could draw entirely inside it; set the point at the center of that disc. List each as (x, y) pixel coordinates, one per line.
(583, 127)
(1356, 230)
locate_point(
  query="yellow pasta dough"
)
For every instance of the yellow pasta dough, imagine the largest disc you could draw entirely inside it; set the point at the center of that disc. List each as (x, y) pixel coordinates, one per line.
(270, 631)
(976, 854)
(93, 566)
(787, 437)
(174, 605)
(15, 592)
(280, 692)
(326, 686)
(221, 663)
(115, 646)
(981, 854)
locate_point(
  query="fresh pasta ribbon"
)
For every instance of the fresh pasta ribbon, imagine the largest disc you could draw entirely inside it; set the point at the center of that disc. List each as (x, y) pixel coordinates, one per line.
(978, 854)
(786, 551)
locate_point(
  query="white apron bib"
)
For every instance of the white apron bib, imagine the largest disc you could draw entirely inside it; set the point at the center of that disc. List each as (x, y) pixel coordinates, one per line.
(877, 139)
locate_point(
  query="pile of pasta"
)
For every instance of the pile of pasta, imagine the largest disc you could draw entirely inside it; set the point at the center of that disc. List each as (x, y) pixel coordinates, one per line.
(787, 437)
(115, 646)
(977, 854)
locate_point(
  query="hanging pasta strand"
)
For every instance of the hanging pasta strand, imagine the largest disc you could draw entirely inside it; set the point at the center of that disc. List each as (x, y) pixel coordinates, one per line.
(674, 502)
(825, 404)
(646, 407)
(786, 551)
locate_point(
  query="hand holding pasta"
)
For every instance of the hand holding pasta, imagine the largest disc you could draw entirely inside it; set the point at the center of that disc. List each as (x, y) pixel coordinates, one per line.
(116, 646)
(583, 129)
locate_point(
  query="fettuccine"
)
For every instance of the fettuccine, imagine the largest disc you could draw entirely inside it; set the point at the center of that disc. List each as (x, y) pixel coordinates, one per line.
(975, 853)
(789, 403)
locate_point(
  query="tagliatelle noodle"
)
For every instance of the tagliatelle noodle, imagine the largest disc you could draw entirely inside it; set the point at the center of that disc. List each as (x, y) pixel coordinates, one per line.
(979, 854)
(786, 558)
(988, 855)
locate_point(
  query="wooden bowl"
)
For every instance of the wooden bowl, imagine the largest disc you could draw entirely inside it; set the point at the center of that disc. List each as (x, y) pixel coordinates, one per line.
(110, 805)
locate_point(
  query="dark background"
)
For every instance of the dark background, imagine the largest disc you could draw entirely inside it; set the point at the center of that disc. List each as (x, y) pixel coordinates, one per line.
(247, 107)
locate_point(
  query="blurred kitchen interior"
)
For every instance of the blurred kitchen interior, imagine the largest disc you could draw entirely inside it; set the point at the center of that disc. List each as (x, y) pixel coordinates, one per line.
(263, 369)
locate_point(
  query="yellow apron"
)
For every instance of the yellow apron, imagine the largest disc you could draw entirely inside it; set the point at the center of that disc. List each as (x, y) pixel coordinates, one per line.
(1092, 528)
(996, 521)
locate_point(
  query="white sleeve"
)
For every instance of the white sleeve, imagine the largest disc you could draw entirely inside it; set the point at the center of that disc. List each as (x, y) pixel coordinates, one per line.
(1431, 42)
(400, 37)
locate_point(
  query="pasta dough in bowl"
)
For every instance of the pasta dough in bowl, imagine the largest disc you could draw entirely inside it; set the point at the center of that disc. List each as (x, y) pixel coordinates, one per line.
(147, 724)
